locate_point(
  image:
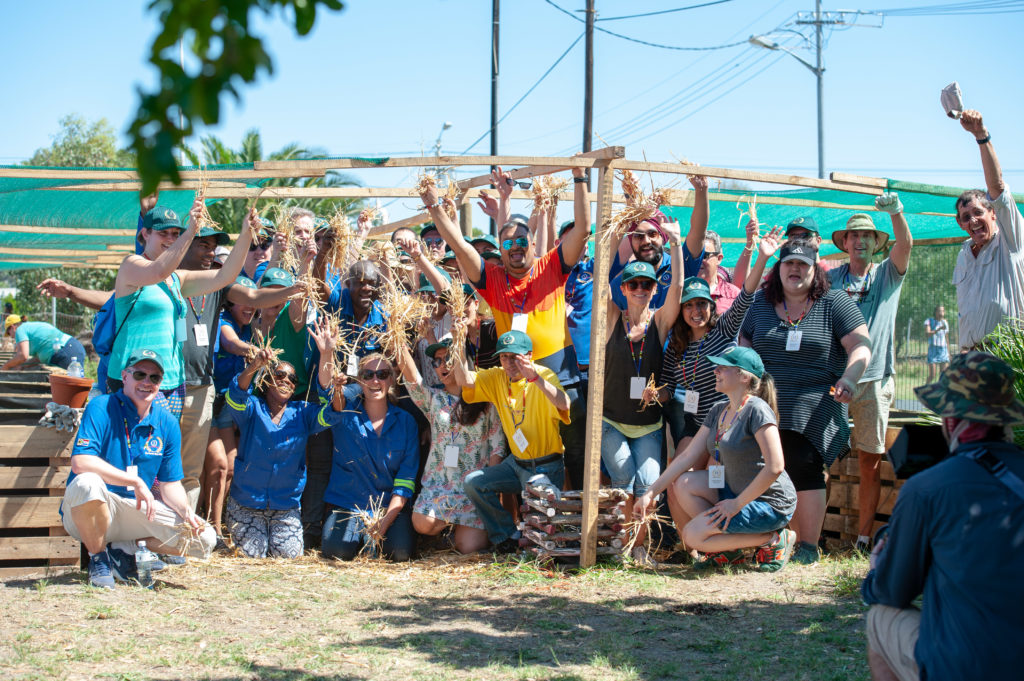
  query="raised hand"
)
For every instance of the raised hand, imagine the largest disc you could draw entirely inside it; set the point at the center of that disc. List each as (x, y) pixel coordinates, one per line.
(428, 194)
(672, 231)
(54, 288)
(972, 122)
(502, 181)
(488, 204)
(753, 229)
(699, 182)
(321, 333)
(526, 367)
(890, 203)
(770, 243)
(577, 171)
(410, 246)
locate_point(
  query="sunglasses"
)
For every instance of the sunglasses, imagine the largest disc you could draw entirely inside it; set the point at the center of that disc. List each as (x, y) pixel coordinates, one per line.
(142, 375)
(433, 241)
(711, 254)
(521, 242)
(651, 234)
(438, 361)
(522, 184)
(285, 376)
(646, 284)
(379, 374)
(262, 245)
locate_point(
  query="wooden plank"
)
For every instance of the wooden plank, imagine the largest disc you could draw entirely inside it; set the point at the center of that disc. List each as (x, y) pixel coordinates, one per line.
(612, 152)
(20, 442)
(9, 250)
(33, 548)
(29, 511)
(129, 175)
(863, 180)
(747, 175)
(583, 161)
(9, 573)
(843, 495)
(76, 231)
(595, 401)
(33, 477)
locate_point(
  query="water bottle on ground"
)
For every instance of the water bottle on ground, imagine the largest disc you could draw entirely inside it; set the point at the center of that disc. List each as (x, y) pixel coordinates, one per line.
(144, 565)
(75, 369)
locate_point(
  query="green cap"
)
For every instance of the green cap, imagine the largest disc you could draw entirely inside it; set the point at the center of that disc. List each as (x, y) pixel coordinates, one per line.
(222, 237)
(695, 287)
(860, 221)
(487, 239)
(275, 276)
(448, 255)
(320, 224)
(267, 224)
(427, 287)
(744, 358)
(486, 255)
(514, 342)
(638, 269)
(807, 223)
(245, 281)
(978, 387)
(429, 227)
(445, 342)
(161, 218)
(137, 356)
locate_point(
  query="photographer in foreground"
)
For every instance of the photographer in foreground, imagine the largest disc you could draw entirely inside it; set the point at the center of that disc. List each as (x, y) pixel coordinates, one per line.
(956, 538)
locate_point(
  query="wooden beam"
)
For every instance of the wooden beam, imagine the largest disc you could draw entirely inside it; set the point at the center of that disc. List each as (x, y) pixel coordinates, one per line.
(70, 231)
(131, 175)
(20, 442)
(603, 250)
(186, 185)
(863, 180)
(36, 251)
(747, 175)
(35, 548)
(535, 170)
(29, 511)
(444, 161)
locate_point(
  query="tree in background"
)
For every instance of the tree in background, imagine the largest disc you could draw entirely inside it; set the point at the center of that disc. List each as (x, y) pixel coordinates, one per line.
(81, 143)
(72, 318)
(230, 212)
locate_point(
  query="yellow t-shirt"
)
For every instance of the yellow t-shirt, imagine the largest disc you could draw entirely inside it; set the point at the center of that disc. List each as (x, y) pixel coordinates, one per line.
(522, 406)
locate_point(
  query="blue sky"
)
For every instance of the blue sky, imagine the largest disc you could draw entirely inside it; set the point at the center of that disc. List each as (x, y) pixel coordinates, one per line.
(381, 77)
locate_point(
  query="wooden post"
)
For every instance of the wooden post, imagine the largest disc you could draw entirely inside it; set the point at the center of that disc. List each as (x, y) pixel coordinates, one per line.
(466, 219)
(603, 250)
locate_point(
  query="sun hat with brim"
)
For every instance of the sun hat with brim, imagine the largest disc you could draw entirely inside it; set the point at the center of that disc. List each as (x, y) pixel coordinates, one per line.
(798, 252)
(275, 276)
(445, 342)
(514, 342)
(160, 218)
(807, 223)
(144, 355)
(638, 269)
(487, 239)
(222, 237)
(245, 281)
(860, 221)
(743, 358)
(695, 287)
(977, 387)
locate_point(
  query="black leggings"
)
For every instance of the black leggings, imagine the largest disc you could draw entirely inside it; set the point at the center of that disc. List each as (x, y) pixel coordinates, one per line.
(804, 464)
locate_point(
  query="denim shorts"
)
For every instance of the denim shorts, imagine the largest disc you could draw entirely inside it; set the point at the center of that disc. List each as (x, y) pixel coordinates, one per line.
(756, 517)
(221, 413)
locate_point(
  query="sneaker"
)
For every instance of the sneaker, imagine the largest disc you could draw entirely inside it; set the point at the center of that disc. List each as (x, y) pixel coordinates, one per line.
(723, 559)
(122, 565)
(776, 554)
(99, 571)
(221, 545)
(862, 547)
(806, 554)
(642, 558)
(171, 559)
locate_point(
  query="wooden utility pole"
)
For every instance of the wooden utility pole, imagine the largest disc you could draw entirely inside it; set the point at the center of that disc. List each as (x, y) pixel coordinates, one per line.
(588, 84)
(494, 91)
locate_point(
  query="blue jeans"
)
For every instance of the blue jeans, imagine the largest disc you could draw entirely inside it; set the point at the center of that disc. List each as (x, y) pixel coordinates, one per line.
(574, 435)
(633, 463)
(483, 487)
(344, 535)
(72, 349)
(319, 456)
(757, 517)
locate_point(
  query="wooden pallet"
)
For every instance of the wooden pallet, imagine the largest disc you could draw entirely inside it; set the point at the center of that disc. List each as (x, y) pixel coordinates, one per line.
(34, 465)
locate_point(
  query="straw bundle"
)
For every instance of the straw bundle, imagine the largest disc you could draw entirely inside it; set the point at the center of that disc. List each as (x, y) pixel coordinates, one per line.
(455, 298)
(369, 517)
(204, 215)
(343, 248)
(645, 402)
(403, 312)
(429, 180)
(258, 344)
(639, 207)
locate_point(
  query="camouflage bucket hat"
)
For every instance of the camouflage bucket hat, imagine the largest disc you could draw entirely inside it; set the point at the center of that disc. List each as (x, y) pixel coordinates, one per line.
(977, 387)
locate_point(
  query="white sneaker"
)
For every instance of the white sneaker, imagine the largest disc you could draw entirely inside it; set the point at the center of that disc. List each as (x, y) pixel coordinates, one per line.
(642, 558)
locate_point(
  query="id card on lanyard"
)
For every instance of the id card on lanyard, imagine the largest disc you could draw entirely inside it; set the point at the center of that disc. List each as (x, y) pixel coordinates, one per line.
(691, 399)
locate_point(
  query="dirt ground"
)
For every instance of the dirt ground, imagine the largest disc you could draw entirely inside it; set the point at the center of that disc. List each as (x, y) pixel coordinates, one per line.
(446, 617)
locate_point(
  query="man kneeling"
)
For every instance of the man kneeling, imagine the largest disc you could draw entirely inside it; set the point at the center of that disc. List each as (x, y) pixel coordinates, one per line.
(125, 445)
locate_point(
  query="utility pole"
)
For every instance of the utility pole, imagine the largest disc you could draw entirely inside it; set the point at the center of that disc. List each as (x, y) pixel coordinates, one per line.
(820, 72)
(494, 88)
(588, 80)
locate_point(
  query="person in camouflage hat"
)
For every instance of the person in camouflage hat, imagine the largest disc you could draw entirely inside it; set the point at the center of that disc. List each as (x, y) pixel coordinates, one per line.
(976, 387)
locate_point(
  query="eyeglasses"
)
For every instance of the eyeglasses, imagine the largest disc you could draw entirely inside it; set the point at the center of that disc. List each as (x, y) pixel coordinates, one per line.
(711, 254)
(522, 184)
(651, 234)
(379, 374)
(285, 376)
(262, 245)
(142, 375)
(433, 241)
(438, 361)
(521, 242)
(645, 284)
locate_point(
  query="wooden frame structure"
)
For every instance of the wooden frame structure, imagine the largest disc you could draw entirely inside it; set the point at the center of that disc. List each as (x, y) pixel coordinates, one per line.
(606, 161)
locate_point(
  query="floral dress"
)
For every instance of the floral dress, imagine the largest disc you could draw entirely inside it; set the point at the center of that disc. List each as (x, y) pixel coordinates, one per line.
(442, 494)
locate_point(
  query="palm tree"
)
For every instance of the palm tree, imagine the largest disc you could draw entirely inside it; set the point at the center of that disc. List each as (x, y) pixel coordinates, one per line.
(230, 212)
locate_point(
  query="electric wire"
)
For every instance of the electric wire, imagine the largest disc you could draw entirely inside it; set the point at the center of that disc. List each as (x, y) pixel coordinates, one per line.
(663, 11)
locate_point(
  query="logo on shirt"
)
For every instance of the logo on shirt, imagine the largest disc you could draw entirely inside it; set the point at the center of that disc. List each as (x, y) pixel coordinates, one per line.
(153, 445)
(666, 278)
(584, 277)
(82, 442)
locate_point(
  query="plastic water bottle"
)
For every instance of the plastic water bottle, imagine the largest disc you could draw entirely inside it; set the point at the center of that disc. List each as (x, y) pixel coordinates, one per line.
(144, 564)
(75, 369)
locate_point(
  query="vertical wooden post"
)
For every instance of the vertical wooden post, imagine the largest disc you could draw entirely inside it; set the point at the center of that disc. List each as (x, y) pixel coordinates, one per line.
(603, 252)
(466, 219)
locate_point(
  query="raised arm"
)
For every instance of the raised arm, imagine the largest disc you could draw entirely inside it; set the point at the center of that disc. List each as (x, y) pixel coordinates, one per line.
(574, 243)
(230, 342)
(554, 394)
(201, 282)
(136, 271)
(408, 367)
(55, 288)
(739, 272)
(540, 225)
(327, 345)
(469, 260)
(972, 123)
(262, 359)
(667, 313)
(900, 253)
(429, 270)
(699, 217)
(766, 249)
(503, 182)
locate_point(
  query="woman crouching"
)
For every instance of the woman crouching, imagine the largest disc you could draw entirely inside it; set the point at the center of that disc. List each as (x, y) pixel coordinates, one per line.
(745, 498)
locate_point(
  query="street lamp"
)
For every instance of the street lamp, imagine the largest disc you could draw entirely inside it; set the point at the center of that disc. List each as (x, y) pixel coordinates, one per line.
(818, 71)
(437, 142)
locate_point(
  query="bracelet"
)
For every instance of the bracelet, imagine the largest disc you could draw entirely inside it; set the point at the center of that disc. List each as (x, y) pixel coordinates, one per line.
(985, 140)
(533, 380)
(426, 207)
(580, 180)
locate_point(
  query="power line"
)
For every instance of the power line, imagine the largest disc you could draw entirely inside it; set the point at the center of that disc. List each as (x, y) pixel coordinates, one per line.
(527, 93)
(644, 42)
(987, 7)
(665, 11)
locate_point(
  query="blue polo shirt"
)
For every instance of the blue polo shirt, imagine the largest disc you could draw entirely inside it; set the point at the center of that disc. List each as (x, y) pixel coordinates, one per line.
(270, 468)
(370, 466)
(366, 336)
(112, 431)
(691, 268)
(226, 365)
(579, 290)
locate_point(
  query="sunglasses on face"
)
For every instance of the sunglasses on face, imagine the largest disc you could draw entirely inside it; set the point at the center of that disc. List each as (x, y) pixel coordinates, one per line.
(433, 241)
(643, 284)
(521, 242)
(438, 361)
(651, 234)
(522, 184)
(379, 374)
(711, 254)
(262, 245)
(142, 375)
(285, 376)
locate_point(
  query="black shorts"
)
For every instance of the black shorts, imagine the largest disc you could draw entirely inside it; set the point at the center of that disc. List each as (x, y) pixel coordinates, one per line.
(804, 464)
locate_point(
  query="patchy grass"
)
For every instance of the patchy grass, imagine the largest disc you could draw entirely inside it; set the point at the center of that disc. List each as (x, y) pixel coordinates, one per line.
(446, 617)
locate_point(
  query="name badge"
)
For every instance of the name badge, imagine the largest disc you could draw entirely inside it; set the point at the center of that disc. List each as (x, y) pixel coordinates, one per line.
(519, 322)
(716, 477)
(520, 440)
(352, 369)
(132, 470)
(636, 387)
(451, 456)
(691, 401)
(180, 334)
(310, 315)
(202, 335)
(793, 340)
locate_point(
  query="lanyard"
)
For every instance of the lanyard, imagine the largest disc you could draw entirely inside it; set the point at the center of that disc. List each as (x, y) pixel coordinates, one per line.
(512, 406)
(521, 306)
(682, 363)
(636, 361)
(719, 433)
(199, 315)
(851, 288)
(800, 319)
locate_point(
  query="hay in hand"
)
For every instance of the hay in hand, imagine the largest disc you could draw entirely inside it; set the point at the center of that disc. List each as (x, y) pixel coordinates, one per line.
(750, 212)
(429, 180)
(369, 518)
(258, 344)
(646, 401)
(455, 298)
(404, 311)
(342, 251)
(204, 216)
(639, 207)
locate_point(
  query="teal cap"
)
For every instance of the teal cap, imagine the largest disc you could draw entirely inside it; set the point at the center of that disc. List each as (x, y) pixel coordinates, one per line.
(695, 287)
(638, 269)
(245, 281)
(275, 276)
(487, 239)
(141, 355)
(161, 218)
(514, 342)
(744, 358)
(222, 237)
(445, 342)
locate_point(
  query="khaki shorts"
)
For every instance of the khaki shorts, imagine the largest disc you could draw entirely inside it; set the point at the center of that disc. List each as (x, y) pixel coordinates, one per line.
(129, 524)
(869, 410)
(892, 634)
(196, 418)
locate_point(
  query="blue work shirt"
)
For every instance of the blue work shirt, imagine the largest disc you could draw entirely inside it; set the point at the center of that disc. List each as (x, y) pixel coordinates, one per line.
(579, 288)
(370, 466)
(226, 365)
(112, 431)
(691, 268)
(270, 468)
(365, 337)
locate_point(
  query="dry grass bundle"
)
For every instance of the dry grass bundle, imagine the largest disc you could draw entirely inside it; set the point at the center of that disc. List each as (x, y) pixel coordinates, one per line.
(204, 215)
(645, 402)
(639, 207)
(633, 531)
(429, 180)
(309, 293)
(369, 517)
(455, 298)
(369, 214)
(343, 247)
(404, 311)
(750, 212)
(259, 343)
